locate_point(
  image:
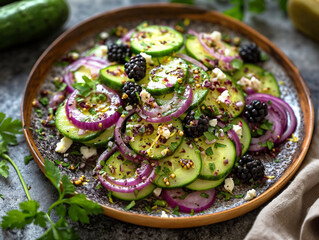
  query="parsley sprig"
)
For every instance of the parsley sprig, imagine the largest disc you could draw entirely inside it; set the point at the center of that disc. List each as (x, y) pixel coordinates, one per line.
(77, 207)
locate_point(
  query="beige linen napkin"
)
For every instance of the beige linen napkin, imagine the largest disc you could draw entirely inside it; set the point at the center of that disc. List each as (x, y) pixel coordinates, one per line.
(294, 214)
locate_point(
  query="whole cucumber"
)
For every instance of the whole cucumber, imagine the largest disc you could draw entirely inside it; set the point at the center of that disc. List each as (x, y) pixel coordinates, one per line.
(26, 20)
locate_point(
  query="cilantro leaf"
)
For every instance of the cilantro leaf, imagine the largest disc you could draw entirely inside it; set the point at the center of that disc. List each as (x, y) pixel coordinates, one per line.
(52, 173)
(68, 187)
(130, 205)
(4, 169)
(9, 129)
(27, 159)
(198, 113)
(81, 200)
(257, 6)
(237, 11)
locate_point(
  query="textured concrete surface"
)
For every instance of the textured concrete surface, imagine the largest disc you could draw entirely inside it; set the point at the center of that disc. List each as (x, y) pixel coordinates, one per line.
(15, 66)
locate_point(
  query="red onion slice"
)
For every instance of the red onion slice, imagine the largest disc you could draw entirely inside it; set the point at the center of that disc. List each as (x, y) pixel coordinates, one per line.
(234, 137)
(123, 148)
(197, 201)
(180, 106)
(94, 63)
(105, 120)
(191, 60)
(127, 37)
(57, 99)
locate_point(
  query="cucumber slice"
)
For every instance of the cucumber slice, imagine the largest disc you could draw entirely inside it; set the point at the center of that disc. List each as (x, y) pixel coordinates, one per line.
(213, 108)
(172, 169)
(155, 40)
(196, 76)
(98, 51)
(80, 72)
(162, 78)
(103, 139)
(201, 184)
(269, 83)
(246, 136)
(196, 50)
(217, 158)
(114, 77)
(146, 141)
(63, 124)
(135, 196)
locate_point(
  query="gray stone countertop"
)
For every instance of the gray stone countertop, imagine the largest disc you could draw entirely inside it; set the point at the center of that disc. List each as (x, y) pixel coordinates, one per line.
(15, 66)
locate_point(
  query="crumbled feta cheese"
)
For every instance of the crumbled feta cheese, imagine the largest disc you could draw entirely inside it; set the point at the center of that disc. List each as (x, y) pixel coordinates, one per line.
(88, 152)
(64, 144)
(212, 122)
(145, 96)
(164, 152)
(101, 51)
(110, 144)
(216, 35)
(128, 108)
(227, 52)
(157, 192)
(164, 131)
(219, 74)
(250, 194)
(147, 57)
(104, 35)
(224, 98)
(253, 83)
(164, 215)
(229, 184)
(238, 130)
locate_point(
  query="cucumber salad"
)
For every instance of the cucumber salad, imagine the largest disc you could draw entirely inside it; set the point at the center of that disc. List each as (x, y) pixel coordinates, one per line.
(168, 114)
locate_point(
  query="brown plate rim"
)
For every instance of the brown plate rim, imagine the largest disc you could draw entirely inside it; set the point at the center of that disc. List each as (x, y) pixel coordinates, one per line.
(180, 11)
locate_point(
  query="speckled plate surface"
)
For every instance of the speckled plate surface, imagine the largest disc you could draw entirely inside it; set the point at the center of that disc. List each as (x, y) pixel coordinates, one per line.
(293, 90)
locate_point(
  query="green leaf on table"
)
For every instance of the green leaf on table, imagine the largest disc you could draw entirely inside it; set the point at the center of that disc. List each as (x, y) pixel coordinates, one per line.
(27, 159)
(76, 213)
(68, 187)
(4, 169)
(3, 147)
(52, 173)
(257, 6)
(28, 214)
(1, 196)
(9, 129)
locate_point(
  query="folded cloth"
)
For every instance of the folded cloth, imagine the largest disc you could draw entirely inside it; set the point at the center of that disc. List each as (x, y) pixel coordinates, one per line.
(294, 214)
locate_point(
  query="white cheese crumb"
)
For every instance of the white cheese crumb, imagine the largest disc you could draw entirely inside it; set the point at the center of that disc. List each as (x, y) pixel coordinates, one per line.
(128, 108)
(104, 35)
(88, 152)
(164, 131)
(64, 144)
(101, 51)
(219, 74)
(229, 184)
(164, 215)
(216, 35)
(147, 57)
(253, 83)
(238, 130)
(145, 96)
(164, 152)
(227, 52)
(224, 98)
(250, 194)
(157, 192)
(110, 144)
(212, 122)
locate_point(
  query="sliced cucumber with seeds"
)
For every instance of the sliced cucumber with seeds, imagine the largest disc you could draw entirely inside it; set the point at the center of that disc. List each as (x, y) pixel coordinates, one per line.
(201, 184)
(196, 50)
(174, 169)
(196, 76)
(163, 78)
(233, 108)
(269, 83)
(155, 40)
(103, 139)
(98, 51)
(246, 136)
(63, 124)
(135, 195)
(146, 141)
(217, 158)
(114, 77)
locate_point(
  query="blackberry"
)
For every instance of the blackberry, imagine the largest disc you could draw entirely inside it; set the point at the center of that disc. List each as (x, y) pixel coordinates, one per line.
(248, 168)
(136, 67)
(118, 53)
(256, 111)
(250, 53)
(129, 95)
(195, 128)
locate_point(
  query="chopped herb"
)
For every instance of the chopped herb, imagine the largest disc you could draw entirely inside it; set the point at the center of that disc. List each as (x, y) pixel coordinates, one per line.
(39, 112)
(148, 209)
(176, 211)
(266, 125)
(77, 153)
(204, 195)
(1, 196)
(209, 151)
(276, 160)
(209, 136)
(160, 203)
(211, 166)
(225, 194)
(92, 111)
(130, 205)
(184, 196)
(192, 212)
(228, 127)
(44, 101)
(269, 102)
(236, 63)
(217, 145)
(136, 192)
(268, 144)
(27, 159)
(198, 113)
(263, 56)
(239, 196)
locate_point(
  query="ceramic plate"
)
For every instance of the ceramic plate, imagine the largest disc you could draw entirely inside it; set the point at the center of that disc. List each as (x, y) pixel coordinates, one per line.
(292, 86)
